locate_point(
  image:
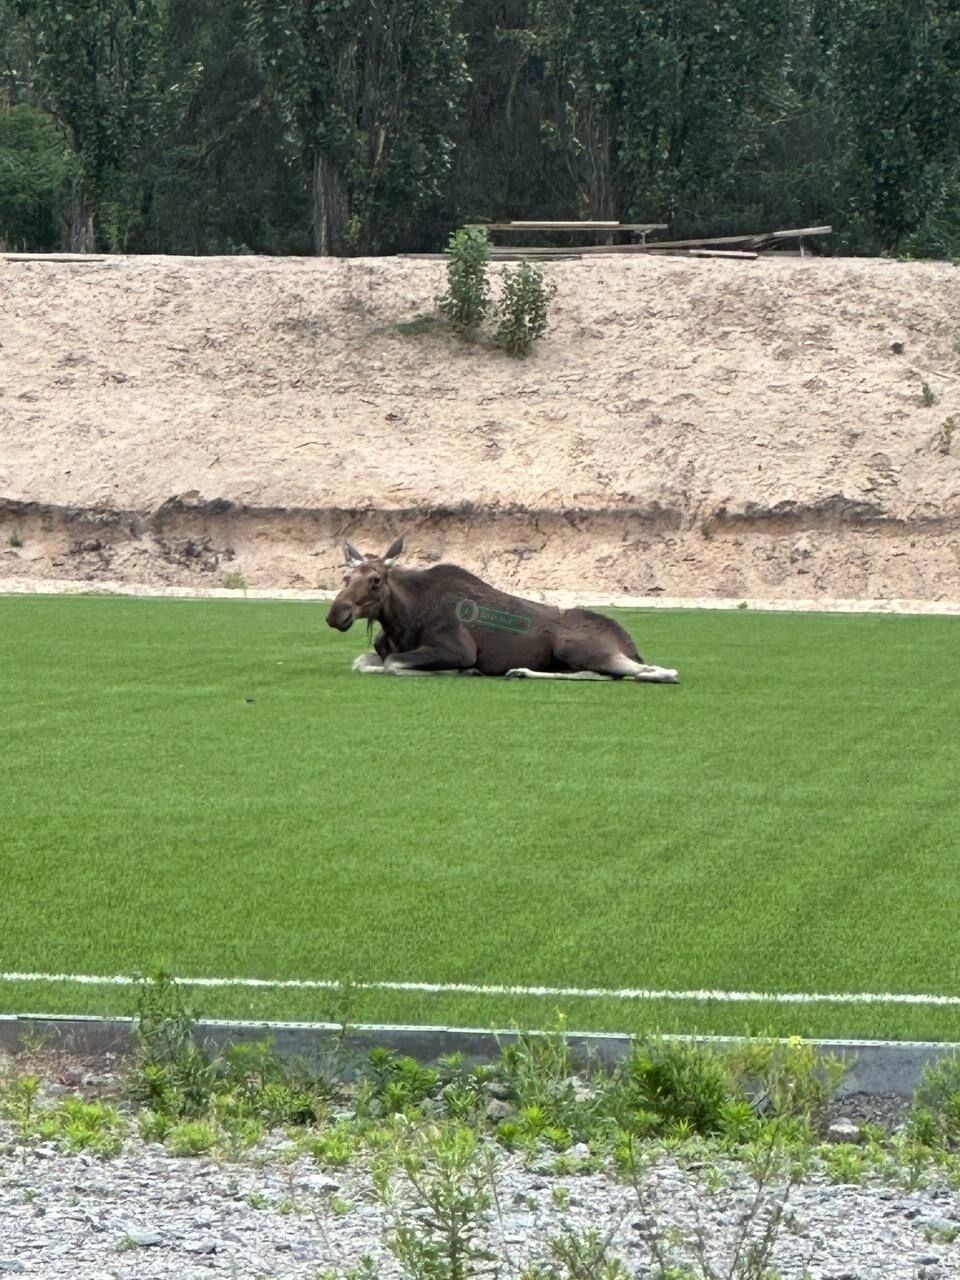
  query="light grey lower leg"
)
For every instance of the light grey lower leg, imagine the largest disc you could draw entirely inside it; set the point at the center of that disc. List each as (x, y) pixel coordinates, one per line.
(524, 673)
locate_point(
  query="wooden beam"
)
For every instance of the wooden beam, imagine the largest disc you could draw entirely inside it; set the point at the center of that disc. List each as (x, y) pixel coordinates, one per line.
(722, 253)
(74, 258)
(757, 238)
(642, 227)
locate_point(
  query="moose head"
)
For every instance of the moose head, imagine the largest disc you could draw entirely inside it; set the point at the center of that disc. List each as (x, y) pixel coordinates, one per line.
(364, 586)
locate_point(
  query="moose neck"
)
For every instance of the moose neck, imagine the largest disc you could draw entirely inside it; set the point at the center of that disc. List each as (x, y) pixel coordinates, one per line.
(399, 608)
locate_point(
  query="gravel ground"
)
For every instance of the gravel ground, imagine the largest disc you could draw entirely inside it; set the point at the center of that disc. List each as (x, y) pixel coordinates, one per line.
(146, 1215)
(278, 1215)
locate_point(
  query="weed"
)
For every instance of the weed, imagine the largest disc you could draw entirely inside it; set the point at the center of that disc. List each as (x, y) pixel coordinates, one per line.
(446, 1180)
(234, 580)
(927, 394)
(787, 1079)
(844, 1163)
(935, 1112)
(672, 1085)
(21, 1101)
(560, 1196)
(15, 539)
(154, 1125)
(192, 1138)
(522, 309)
(72, 1123)
(538, 1076)
(467, 298)
(240, 1092)
(84, 1126)
(945, 435)
(396, 1084)
(757, 1225)
(465, 1090)
(172, 1075)
(334, 1148)
(580, 1257)
(365, 1269)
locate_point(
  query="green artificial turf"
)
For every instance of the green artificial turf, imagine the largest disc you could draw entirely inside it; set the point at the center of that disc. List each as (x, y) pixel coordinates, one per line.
(205, 787)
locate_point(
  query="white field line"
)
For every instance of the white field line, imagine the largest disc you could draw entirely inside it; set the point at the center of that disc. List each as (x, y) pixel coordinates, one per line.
(564, 599)
(474, 989)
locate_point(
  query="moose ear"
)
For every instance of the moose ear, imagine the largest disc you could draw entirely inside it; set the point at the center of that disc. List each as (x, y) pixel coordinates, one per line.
(392, 552)
(352, 555)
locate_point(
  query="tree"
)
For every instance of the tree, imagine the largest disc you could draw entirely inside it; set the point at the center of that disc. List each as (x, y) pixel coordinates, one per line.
(98, 71)
(220, 181)
(34, 173)
(657, 105)
(899, 74)
(370, 93)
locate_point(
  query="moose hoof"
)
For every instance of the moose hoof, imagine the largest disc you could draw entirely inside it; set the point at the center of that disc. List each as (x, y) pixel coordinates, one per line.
(516, 673)
(658, 675)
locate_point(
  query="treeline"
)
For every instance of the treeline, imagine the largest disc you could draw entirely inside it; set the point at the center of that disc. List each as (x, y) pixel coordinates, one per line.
(377, 126)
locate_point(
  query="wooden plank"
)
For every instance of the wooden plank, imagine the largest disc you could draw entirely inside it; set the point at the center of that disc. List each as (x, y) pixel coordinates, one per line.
(536, 250)
(591, 249)
(722, 253)
(642, 227)
(512, 255)
(75, 258)
(802, 231)
(553, 226)
(756, 238)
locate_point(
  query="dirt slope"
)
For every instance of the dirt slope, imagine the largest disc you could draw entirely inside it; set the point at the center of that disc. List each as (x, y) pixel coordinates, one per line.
(690, 427)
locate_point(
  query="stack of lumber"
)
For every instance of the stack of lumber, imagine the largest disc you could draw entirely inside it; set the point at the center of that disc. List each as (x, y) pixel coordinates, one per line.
(734, 246)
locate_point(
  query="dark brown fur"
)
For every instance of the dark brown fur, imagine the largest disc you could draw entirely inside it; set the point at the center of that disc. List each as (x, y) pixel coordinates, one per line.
(422, 615)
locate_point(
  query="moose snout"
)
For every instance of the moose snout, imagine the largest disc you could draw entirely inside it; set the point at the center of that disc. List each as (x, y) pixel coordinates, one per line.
(340, 615)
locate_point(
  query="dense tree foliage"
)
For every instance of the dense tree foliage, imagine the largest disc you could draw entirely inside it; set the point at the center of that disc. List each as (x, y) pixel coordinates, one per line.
(372, 126)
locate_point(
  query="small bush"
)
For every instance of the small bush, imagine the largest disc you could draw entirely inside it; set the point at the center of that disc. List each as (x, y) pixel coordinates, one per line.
(787, 1080)
(468, 294)
(686, 1087)
(522, 309)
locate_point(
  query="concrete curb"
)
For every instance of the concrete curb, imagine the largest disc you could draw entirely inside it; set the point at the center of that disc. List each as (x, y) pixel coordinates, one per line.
(878, 1066)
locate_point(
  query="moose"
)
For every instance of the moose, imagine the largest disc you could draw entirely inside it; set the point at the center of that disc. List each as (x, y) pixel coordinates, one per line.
(446, 621)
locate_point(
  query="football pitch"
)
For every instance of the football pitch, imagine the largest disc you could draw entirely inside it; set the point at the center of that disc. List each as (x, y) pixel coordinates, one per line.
(205, 788)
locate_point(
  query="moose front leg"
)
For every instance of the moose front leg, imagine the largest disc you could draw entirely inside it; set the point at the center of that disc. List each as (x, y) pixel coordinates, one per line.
(374, 661)
(369, 664)
(428, 662)
(449, 653)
